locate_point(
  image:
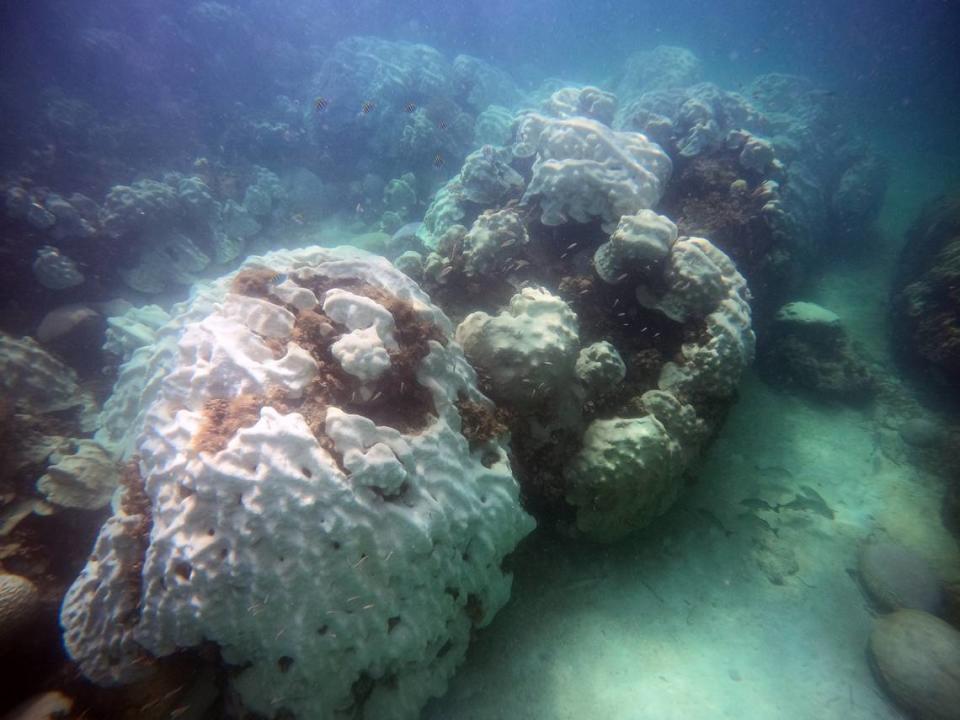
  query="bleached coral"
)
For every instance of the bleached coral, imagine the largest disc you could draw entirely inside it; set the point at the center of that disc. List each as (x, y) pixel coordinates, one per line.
(493, 240)
(588, 101)
(599, 367)
(492, 126)
(37, 383)
(583, 170)
(486, 176)
(703, 281)
(132, 329)
(529, 350)
(133, 208)
(338, 554)
(81, 474)
(447, 209)
(640, 240)
(664, 67)
(624, 476)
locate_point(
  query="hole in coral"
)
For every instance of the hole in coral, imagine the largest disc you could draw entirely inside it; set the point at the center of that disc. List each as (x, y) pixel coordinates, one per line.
(322, 630)
(285, 663)
(392, 623)
(336, 546)
(211, 532)
(445, 649)
(183, 569)
(489, 459)
(306, 472)
(223, 553)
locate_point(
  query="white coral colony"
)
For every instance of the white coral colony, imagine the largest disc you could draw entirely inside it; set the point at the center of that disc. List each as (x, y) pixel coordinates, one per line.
(337, 549)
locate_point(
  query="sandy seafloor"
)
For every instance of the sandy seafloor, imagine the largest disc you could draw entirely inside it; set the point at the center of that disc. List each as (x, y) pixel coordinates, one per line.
(682, 621)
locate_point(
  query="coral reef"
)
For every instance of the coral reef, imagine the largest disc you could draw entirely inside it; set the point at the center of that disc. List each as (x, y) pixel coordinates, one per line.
(636, 331)
(56, 271)
(664, 67)
(589, 101)
(300, 445)
(583, 170)
(388, 75)
(482, 85)
(527, 350)
(926, 299)
(81, 474)
(493, 126)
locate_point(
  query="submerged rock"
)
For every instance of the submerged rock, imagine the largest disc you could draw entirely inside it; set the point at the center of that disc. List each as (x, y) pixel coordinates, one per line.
(922, 433)
(19, 602)
(896, 577)
(925, 299)
(808, 348)
(917, 659)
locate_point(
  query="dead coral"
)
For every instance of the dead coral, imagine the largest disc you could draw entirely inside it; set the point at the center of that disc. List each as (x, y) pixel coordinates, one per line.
(135, 503)
(479, 422)
(255, 282)
(397, 399)
(222, 418)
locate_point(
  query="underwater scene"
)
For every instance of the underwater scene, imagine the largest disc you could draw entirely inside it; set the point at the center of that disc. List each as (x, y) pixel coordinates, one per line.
(495, 360)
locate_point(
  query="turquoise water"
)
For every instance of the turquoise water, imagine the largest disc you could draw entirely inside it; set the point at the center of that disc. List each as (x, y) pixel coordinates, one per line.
(479, 361)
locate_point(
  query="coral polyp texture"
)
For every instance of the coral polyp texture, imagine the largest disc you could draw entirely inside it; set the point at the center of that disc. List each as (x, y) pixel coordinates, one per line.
(583, 170)
(305, 493)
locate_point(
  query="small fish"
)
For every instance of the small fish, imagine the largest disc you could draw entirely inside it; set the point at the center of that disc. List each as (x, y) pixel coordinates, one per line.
(278, 278)
(320, 104)
(438, 160)
(758, 504)
(359, 209)
(297, 218)
(366, 106)
(409, 107)
(441, 124)
(812, 502)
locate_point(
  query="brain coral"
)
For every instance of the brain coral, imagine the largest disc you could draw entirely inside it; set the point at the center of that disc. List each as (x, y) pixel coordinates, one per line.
(337, 534)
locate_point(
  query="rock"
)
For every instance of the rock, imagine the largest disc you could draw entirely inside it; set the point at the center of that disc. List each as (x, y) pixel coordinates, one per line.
(917, 659)
(46, 706)
(19, 602)
(807, 347)
(75, 333)
(922, 433)
(896, 577)
(808, 314)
